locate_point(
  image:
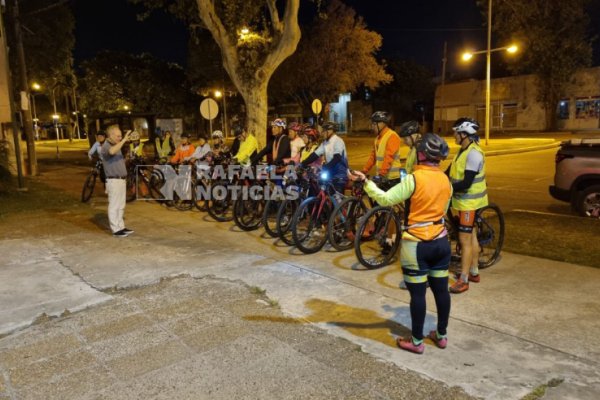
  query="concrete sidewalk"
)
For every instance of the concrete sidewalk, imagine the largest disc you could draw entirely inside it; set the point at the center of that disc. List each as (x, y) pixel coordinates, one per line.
(528, 322)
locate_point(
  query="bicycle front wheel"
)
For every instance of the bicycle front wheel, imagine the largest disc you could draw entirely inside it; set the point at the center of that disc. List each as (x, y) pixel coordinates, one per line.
(309, 227)
(341, 229)
(378, 237)
(490, 234)
(285, 216)
(88, 187)
(269, 217)
(247, 213)
(220, 204)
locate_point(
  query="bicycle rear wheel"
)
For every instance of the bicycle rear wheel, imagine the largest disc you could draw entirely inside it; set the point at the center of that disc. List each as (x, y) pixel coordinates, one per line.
(309, 227)
(285, 216)
(378, 237)
(88, 187)
(490, 234)
(341, 229)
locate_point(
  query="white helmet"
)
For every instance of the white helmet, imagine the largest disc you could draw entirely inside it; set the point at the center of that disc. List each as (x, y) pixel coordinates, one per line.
(217, 134)
(466, 125)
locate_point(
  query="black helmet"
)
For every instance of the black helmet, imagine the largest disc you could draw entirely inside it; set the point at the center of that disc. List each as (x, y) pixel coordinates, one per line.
(237, 130)
(381, 116)
(186, 135)
(434, 147)
(466, 125)
(330, 125)
(409, 128)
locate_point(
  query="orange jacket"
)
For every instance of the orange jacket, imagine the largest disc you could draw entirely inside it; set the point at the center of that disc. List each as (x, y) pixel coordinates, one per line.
(393, 145)
(181, 154)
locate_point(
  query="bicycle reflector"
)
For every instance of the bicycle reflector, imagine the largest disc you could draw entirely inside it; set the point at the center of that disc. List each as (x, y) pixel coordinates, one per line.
(324, 175)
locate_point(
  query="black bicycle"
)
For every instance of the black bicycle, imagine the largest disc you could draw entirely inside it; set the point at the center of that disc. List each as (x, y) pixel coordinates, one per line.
(90, 181)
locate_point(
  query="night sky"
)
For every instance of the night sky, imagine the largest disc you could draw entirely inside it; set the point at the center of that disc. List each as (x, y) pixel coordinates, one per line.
(410, 29)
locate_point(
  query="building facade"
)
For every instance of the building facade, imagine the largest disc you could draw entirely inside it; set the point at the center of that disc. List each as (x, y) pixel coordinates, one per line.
(515, 105)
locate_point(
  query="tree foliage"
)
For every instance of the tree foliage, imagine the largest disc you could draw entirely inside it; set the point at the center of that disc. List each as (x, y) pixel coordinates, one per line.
(555, 40)
(412, 85)
(113, 80)
(48, 40)
(336, 55)
(254, 40)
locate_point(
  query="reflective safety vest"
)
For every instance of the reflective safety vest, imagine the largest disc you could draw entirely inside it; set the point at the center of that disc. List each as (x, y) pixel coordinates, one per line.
(428, 203)
(164, 150)
(476, 196)
(411, 160)
(394, 171)
(136, 150)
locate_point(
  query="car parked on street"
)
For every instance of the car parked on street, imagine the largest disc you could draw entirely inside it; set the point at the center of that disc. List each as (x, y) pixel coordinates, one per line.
(577, 176)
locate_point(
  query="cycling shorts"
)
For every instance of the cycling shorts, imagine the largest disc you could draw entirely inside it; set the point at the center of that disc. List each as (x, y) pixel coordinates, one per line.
(421, 260)
(466, 220)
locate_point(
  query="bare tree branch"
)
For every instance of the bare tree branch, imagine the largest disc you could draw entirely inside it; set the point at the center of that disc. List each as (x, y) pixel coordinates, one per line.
(50, 7)
(274, 16)
(289, 39)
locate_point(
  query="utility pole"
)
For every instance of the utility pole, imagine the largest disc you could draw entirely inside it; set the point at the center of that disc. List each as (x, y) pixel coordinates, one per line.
(11, 100)
(442, 90)
(24, 88)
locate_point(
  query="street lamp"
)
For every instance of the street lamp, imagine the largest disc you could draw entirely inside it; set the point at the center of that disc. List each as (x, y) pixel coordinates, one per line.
(35, 88)
(55, 118)
(223, 95)
(468, 55)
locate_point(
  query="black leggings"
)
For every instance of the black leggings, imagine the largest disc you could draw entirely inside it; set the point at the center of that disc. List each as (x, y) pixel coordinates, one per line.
(418, 305)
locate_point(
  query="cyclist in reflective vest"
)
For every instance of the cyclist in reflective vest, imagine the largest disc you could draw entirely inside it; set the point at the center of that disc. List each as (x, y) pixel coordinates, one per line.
(136, 147)
(164, 144)
(425, 253)
(386, 149)
(467, 174)
(409, 132)
(248, 148)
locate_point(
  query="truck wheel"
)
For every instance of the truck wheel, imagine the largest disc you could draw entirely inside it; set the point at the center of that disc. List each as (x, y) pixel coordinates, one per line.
(589, 202)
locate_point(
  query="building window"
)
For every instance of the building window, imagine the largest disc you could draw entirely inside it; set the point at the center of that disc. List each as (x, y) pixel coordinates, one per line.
(587, 108)
(563, 109)
(509, 115)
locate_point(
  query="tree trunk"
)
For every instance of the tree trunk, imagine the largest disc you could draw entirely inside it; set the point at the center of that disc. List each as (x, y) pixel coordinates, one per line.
(255, 97)
(68, 119)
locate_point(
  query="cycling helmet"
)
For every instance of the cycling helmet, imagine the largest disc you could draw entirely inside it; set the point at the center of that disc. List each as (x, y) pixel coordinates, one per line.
(134, 136)
(295, 126)
(409, 128)
(330, 125)
(217, 135)
(186, 135)
(466, 125)
(381, 116)
(433, 147)
(310, 132)
(278, 122)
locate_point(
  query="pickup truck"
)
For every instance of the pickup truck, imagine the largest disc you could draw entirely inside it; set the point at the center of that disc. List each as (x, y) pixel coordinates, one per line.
(577, 176)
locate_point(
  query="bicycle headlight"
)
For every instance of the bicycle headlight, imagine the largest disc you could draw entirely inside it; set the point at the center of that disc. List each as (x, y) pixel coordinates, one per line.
(324, 175)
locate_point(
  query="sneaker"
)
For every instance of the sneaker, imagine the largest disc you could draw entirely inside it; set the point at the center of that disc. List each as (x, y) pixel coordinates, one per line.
(408, 345)
(441, 343)
(128, 231)
(459, 286)
(472, 278)
(121, 233)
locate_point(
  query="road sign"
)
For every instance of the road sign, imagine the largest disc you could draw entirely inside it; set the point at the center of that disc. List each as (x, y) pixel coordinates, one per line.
(317, 106)
(209, 109)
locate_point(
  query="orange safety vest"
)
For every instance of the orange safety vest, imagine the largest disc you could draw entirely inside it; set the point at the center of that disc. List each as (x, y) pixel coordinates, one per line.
(428, 203)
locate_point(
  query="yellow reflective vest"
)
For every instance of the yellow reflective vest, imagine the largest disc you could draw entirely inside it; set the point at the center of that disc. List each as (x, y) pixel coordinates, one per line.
(394, 171)
(164, 150)
(476, 196)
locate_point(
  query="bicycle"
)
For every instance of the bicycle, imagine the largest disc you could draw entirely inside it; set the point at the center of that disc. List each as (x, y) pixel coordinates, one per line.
(90, 181)
(341, 229)
(152, 178)
(248, 212)
(309, 225)
(489, 225)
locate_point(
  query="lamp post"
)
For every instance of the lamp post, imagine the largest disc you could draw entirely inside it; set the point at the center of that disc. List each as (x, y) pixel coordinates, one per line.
(35, 88)
(219, 95)
(468, 56)
(55, 118)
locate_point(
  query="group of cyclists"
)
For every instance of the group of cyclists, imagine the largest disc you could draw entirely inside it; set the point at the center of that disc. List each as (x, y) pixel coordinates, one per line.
(425, 190)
